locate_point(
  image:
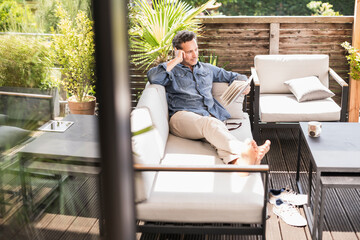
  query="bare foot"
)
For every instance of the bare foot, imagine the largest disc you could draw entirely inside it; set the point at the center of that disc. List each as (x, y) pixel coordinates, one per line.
(252, 153)
(262, 150)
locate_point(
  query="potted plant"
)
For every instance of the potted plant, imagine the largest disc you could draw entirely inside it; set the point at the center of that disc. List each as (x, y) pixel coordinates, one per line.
(26, 80)
(74, 50)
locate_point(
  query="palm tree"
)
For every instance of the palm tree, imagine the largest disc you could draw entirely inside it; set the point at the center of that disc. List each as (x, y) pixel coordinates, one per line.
(154, 25)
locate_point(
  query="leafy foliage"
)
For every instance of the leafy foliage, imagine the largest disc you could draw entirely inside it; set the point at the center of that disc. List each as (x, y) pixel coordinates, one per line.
(274, 7)
(16, 17)
(46, 11)
(322, 9)
(212, 59)
(353, 60)
(154, 26)
(25, 62)
(74, 50)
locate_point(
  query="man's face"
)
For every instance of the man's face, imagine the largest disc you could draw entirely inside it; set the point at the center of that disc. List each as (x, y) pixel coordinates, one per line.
(191, 53)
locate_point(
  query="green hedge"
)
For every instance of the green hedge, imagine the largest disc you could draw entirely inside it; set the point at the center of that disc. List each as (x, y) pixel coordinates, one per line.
(275, 7)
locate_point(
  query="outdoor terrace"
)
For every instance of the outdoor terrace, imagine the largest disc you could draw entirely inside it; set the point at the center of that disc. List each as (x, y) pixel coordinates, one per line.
(235, 40)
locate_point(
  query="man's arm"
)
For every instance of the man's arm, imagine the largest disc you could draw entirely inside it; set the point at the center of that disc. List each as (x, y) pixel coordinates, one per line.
(160, 74)
(179, 56)
(221, 75)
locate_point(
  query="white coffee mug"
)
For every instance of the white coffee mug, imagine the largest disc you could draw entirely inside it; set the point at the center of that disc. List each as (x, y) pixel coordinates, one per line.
(314, 129)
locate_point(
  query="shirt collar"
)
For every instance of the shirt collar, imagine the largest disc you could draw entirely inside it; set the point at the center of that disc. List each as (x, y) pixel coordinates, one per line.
(197, 65)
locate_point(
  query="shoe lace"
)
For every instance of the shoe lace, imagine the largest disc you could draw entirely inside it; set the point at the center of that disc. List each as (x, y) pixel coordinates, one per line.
(288, 209)
(290, 194)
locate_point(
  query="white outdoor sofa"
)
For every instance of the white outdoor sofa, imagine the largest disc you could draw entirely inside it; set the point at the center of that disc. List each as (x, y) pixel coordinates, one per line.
(274, 105)
(184, 185)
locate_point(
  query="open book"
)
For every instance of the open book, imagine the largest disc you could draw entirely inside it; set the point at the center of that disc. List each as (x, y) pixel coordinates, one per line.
(234, 91)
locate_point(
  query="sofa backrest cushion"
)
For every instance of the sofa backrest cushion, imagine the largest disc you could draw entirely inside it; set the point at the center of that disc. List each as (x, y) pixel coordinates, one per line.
(274, 70)
(145, 147)
(236, 108)
(154, 98)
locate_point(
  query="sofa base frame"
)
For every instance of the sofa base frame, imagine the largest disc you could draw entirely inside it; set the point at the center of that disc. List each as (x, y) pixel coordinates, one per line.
(174, 228)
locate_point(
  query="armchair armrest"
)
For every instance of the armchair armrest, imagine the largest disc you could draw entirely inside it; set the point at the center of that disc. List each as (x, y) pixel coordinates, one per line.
(344, 93)
(337, 78)
(255, 77)
(255, 108)
(201, 168)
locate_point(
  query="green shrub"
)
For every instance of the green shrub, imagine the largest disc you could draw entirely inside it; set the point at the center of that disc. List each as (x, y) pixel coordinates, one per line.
(73, 49)
(353, 58)
(274, 7)
(16, 17)
(322, 9)
(25, 62)
(46, 11)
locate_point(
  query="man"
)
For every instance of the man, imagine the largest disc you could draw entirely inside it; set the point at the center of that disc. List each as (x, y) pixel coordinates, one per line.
(194, 113)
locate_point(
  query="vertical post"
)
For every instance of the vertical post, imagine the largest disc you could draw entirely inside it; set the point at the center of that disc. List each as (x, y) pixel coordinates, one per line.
(274, 38)
(354, 96)
(113, 88)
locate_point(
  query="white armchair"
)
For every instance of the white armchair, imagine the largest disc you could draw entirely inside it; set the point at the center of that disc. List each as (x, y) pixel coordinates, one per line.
(275, 105)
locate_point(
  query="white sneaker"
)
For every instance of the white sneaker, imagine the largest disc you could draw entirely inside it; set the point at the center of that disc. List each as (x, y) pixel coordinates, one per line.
(288, 214)
(287, 195)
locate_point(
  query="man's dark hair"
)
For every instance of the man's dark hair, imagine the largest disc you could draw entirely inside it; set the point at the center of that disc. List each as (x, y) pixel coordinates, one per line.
(181, 37)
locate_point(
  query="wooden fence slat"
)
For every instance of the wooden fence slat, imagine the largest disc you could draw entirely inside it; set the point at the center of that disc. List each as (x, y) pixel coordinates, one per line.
(274, 38)
(324, 26)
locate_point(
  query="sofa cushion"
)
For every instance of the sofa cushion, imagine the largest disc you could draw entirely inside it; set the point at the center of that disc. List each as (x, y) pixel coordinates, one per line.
(3, 119)
(162, 96)
(308, 88)
(11, 136)
(285, 108)
(274, 70)
(244, 131)
(236, 108)
(201, 197)
(205, 198)
(145, 151)
(153, 99)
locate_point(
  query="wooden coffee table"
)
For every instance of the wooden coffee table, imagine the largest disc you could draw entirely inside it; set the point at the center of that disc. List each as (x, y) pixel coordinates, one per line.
(335, 153)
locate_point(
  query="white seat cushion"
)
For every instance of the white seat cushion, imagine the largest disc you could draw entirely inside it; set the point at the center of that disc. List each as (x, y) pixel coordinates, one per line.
(244, 131)
(285, 108)
(201, 197)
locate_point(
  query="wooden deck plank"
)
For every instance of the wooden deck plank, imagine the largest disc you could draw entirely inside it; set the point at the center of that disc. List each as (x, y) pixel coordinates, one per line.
(274, 156)
(337, 220)
(93, 234)
(79, 228)
(272, 225)
(34, 230)
(289, 148)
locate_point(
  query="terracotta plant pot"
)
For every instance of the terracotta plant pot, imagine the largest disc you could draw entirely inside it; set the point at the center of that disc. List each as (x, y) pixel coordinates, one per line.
(85, 108)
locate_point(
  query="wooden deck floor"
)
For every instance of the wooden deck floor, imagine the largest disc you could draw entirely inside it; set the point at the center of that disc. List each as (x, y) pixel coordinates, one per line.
(78, 218)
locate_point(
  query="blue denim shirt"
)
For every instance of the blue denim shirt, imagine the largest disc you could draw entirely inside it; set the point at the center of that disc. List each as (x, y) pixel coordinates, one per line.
(191, 90)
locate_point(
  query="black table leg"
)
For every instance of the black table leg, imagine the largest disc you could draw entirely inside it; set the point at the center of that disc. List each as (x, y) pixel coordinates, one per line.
(298, 160)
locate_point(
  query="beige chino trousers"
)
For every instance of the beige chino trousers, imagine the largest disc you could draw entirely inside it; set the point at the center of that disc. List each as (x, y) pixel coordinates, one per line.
(194, 126)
